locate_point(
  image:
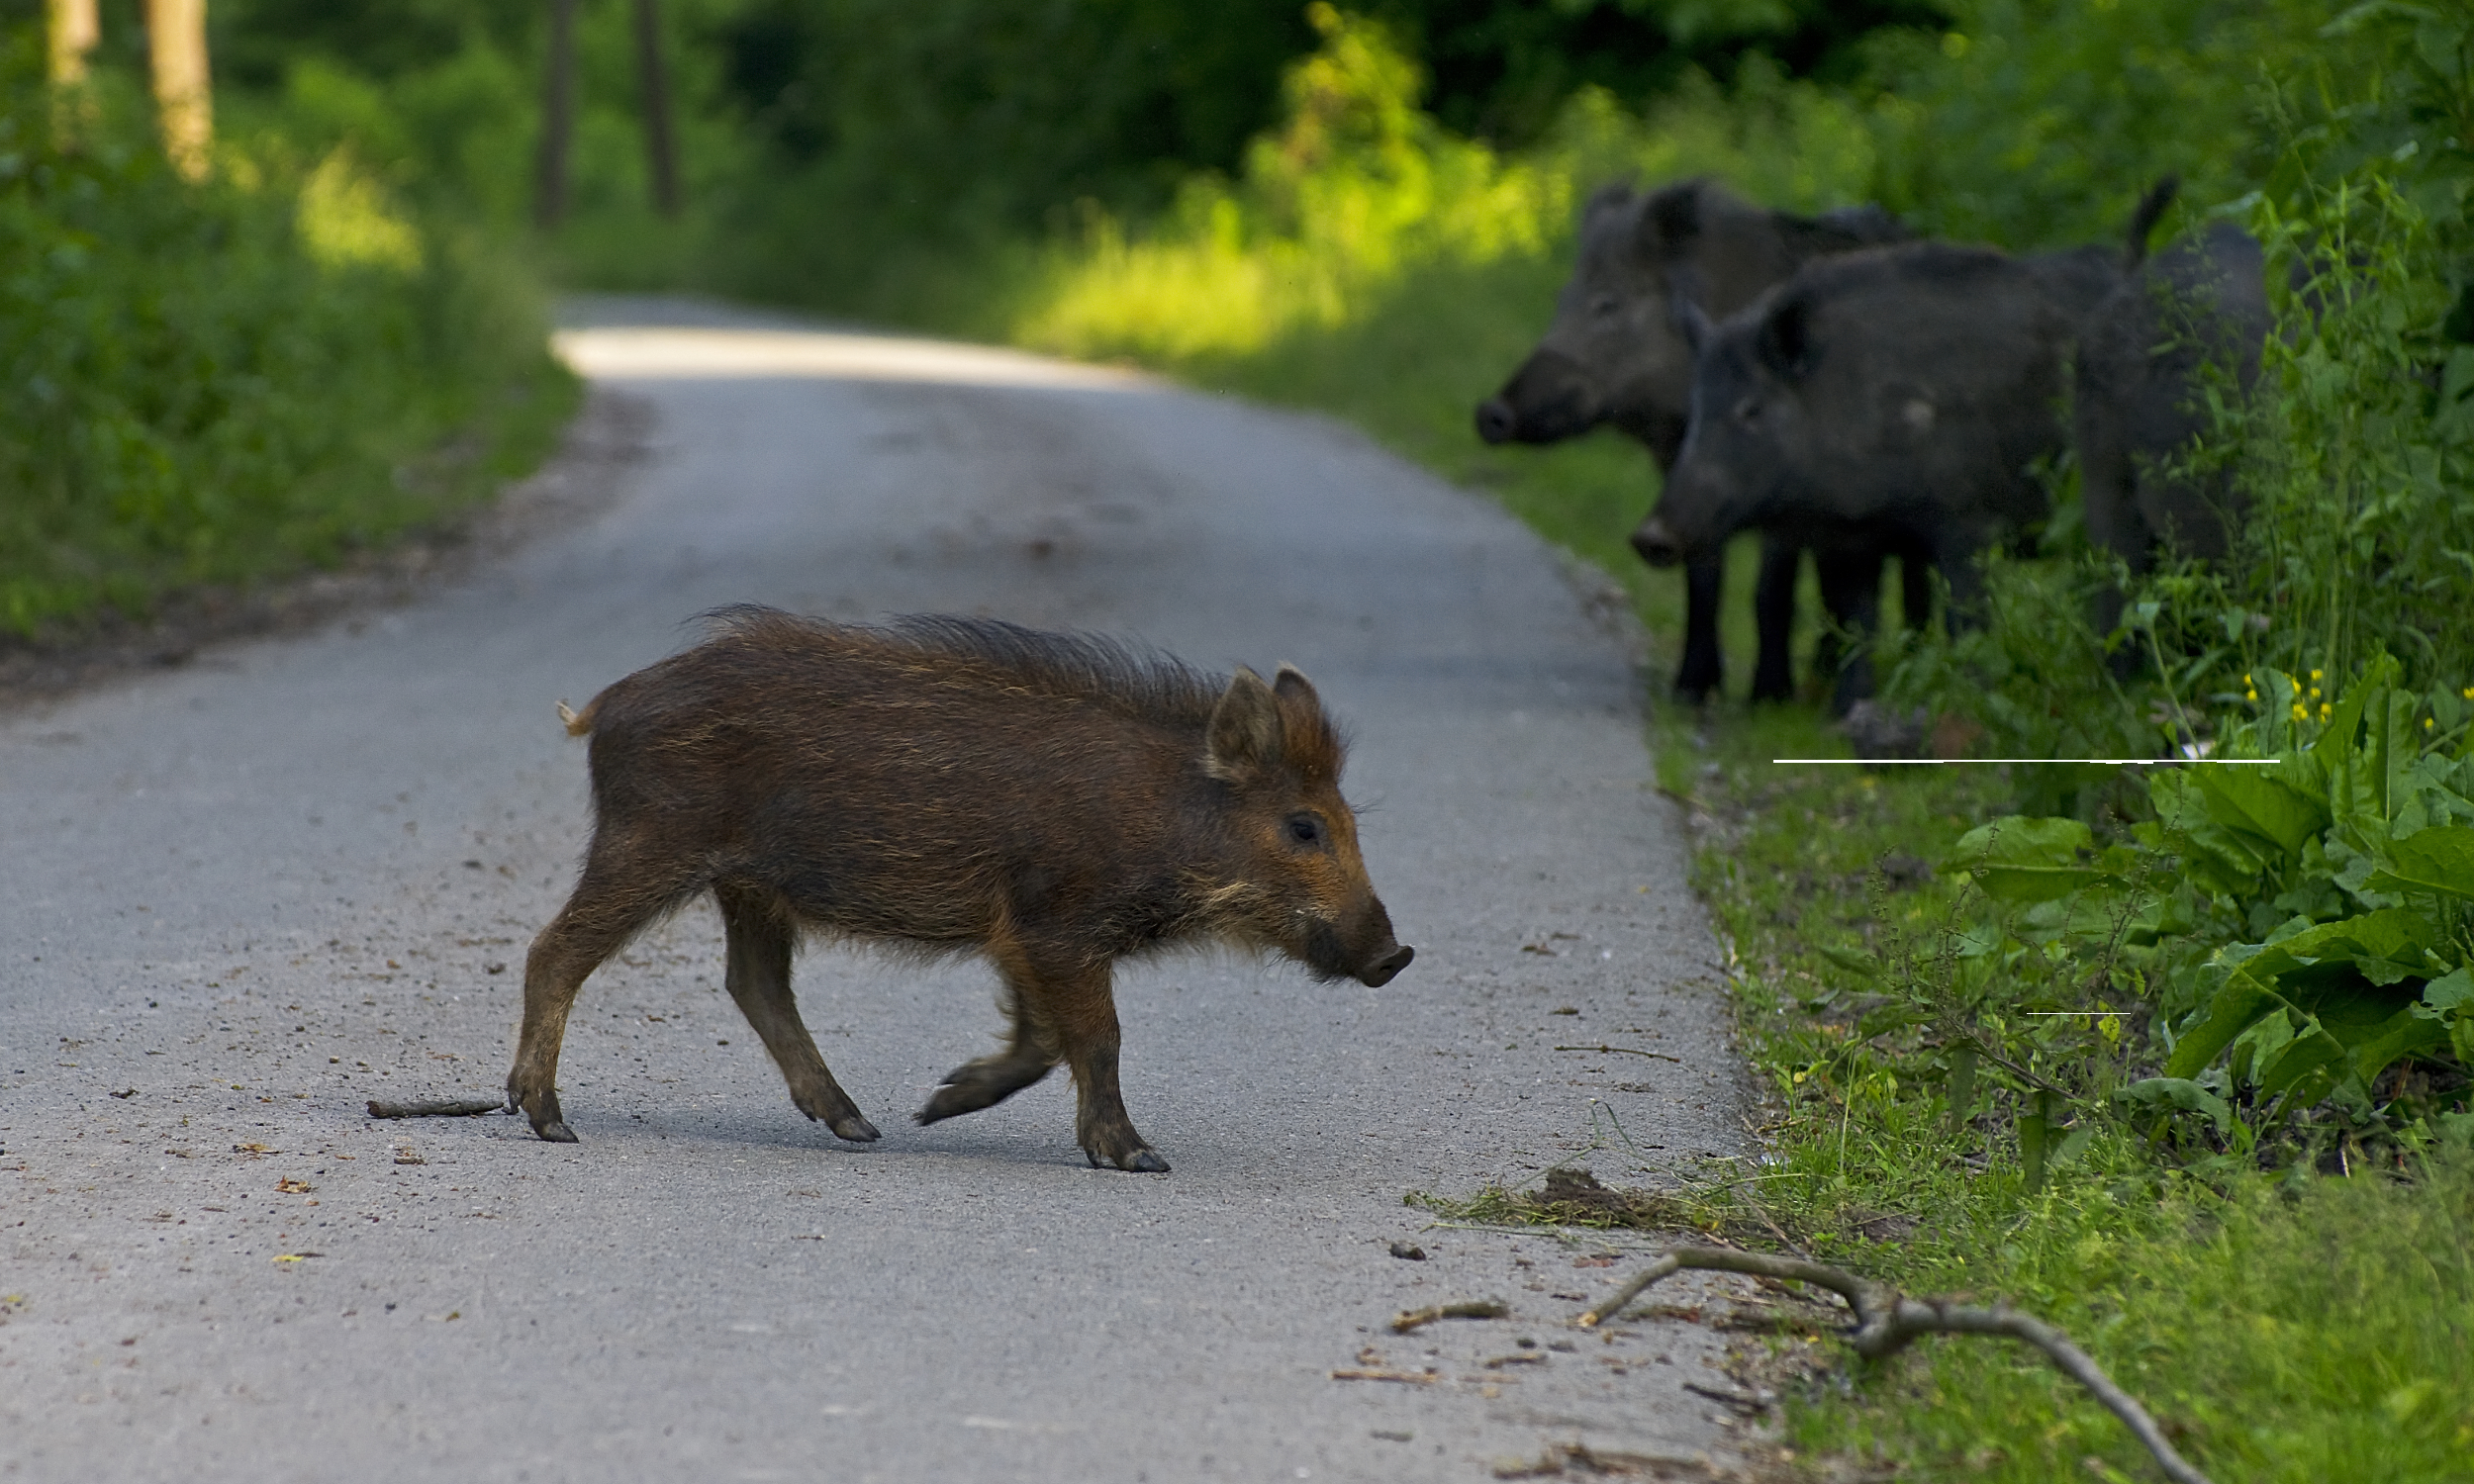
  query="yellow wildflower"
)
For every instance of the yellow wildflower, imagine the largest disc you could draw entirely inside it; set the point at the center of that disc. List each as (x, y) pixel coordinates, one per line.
(2315, 675)
(2300, 710)
(2314, 691)
(2250, 695)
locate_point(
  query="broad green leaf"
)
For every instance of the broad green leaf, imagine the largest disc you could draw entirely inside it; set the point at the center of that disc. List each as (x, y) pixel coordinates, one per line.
(2182, 1093)
(2221, 861)
(2255, 801)
(2251, 987)
(2401, 1035)
(2439, 859)
(2397, 934)
(2241, 1000)
(2225, 861)
(1864, 964)
(2336, 739)
(2451, 992)
(2023, 859)
(2256, 1051)
(2299, 1059)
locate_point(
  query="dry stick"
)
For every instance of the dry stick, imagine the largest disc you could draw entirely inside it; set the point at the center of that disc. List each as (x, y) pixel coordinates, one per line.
(1410, 1319)
(1625, 1051)
(1886, 1321)
(453, 1107)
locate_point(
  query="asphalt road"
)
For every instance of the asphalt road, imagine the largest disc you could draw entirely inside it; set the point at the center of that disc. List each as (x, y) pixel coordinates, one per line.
(246, 895)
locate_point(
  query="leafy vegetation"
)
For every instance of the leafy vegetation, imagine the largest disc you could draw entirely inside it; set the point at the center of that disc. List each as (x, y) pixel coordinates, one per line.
(1968, 1093)
(238, 377)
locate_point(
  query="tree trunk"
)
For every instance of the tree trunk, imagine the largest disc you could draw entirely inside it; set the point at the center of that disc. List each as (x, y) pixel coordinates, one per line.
(653, 84)
(75, 32)
(558, 107)
(184, 99)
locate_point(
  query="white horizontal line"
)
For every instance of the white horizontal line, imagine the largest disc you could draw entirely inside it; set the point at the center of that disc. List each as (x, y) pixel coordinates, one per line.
(2099, 762)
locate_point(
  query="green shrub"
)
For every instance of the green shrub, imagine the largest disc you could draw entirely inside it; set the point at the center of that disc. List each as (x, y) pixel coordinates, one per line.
(221, 380)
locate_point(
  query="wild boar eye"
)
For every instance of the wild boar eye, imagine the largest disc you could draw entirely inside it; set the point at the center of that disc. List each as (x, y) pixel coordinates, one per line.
(1605, 306)
(1748, 410)
(1305, 829)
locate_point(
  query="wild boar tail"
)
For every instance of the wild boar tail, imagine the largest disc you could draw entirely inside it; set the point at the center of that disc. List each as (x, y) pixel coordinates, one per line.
(2151, 211)
(579, 722)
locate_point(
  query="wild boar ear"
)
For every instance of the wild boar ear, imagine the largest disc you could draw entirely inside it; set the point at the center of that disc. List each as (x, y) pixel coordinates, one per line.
(1308, 742)
(1291, 685)
(1614, 196)
(1683, 306)
(1245, 733)
(1672, 218)
(1785, 339)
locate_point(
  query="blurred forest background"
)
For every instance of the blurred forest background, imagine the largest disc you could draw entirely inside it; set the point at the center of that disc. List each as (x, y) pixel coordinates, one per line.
(325, 328)
(1367, 211)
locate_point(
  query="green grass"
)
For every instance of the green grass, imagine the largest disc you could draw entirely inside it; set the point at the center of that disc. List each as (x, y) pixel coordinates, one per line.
(2284, 1325)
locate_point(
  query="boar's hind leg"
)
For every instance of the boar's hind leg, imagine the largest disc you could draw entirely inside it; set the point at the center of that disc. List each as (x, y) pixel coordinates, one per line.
(612, 903)
(759, 977)
(990, 1080)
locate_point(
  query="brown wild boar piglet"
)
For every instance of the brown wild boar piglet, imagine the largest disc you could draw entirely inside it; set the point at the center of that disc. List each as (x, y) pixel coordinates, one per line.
(950, 784)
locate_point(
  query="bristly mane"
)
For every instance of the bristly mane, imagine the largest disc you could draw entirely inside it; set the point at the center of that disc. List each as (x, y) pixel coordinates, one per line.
(1113, 674)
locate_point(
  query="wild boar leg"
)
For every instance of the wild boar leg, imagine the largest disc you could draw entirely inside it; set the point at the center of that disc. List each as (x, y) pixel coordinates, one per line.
(1705, 579)
(761, 937)
(1029, 1054)
(612, 903)
(1084, 1010)
(1851, 596)
(1773, 614)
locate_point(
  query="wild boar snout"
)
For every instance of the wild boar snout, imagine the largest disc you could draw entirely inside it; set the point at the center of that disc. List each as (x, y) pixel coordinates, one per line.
(1379, 973)
(1550, 397)
(1655, 543)
(1496, 421)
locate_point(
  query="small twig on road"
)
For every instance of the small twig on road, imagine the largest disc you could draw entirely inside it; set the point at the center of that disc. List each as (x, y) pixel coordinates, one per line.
(1413, 1319)
(453, 1107)
(1887, 1320)
(1625, 1051)
(1741, 1400)
(1369, 1373)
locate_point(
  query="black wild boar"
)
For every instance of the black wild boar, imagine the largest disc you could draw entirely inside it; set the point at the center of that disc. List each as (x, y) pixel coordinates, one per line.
(1896, 397)
(957, 785)
(1914, 385)
(1614, 357)
(2141, 368)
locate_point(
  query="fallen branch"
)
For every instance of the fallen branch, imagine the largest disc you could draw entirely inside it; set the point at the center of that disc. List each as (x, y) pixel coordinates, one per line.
(453, 1107)
(1887, 1320)
(1625, 1051)
(1371, 1373)
(1413, 1318)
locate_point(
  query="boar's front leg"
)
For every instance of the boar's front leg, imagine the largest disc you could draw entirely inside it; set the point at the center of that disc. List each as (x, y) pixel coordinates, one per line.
(761, 937)
(1079, 1005)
